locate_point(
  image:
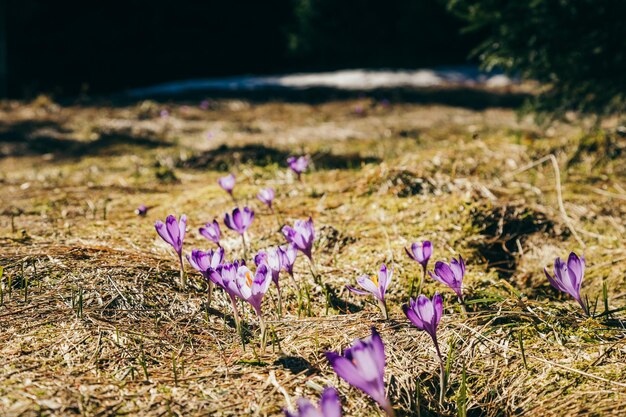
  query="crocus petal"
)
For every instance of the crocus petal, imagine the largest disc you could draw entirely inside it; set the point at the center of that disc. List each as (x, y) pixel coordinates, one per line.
(228, 222)
(576, 270)
(384, 279)
(306, 409)
(425, 309)
(237, 219)
(346, 370)
(162, 231)
(412, 316)
(378, 351)
(357, 291)
(365, 361)
(182, 227)
(330, 405)
(173, 229)
(444, 274)
(368, 285)
(427, 249)
(552, 281)
(438, 307)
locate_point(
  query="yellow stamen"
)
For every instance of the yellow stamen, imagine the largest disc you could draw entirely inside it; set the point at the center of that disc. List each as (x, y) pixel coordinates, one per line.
(249, 279)
(375, 280)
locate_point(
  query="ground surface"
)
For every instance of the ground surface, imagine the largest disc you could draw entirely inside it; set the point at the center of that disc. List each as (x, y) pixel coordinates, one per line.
(92, 323)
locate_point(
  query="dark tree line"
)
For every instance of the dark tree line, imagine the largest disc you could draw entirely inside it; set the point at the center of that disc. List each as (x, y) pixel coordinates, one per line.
(66, 46)
(577, 48)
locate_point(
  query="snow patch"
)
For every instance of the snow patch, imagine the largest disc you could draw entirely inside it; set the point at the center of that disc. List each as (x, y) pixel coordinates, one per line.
(355, 80)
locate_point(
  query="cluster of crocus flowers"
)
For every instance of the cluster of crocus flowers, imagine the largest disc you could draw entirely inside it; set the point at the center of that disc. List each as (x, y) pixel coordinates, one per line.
(239, 282)
(425, 314)
(298, 164)
(329, 406)
(451, 275)
(375, 285)
(363, 367)
(568, 277)
(420, 252)
(173, 232)
(211, 231)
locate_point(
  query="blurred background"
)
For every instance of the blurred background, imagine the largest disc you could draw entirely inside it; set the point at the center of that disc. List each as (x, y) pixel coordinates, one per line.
(71, 47)
(76, 46)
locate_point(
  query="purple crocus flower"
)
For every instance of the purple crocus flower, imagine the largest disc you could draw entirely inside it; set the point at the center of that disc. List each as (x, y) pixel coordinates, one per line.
(252, 288)
(425, 314)
(266, 195)
(329, 406)
(298, 164)
(569, 277)
(272, 260)
(225, 276)
(204, 262)
(240, 220)
(420, 252)
(227, 183)
(224, 273)
(301, 235)
(173, 232)
(375, 285)
(363, 367)
(451, 275)
(142, 210)
(211, 231)
(288, 254)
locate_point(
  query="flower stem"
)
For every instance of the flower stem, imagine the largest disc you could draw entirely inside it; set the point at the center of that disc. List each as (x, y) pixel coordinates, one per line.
(263, 330)
(463, 307)
(237, 319)
(183, 281)
(383, 308)
(389, 409)
(243, 241)
(585, 307)
(210, 291)
(442, 372)
(316, 277)
(422, 279)
(280, 302)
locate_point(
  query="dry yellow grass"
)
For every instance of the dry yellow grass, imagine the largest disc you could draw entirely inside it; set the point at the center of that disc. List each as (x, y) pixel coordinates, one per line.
(73, 175)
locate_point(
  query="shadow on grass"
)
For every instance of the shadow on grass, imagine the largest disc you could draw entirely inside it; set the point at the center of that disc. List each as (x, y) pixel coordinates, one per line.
(224, 157)
(339, 304)
(35, 137)
(296, 364)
